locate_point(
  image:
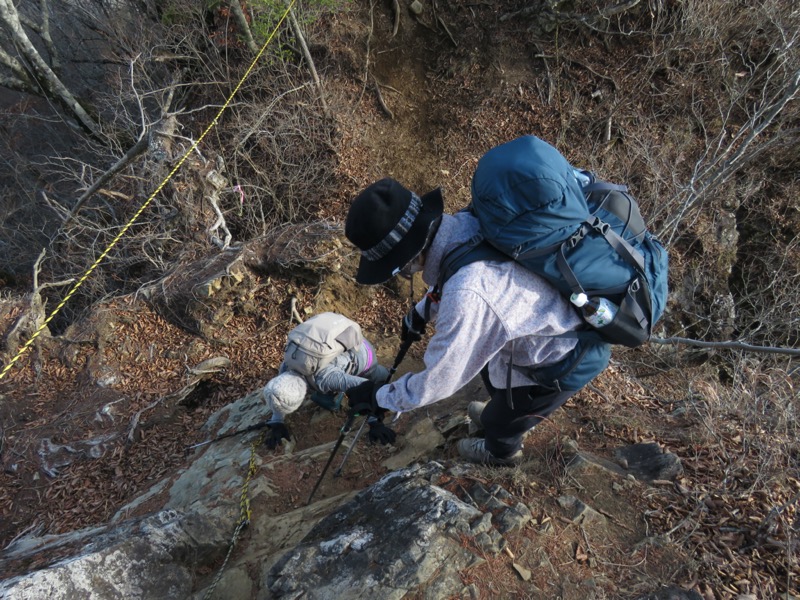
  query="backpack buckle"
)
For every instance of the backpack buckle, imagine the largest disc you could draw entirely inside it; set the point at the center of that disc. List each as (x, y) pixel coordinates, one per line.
(600, 226)
(576, 238)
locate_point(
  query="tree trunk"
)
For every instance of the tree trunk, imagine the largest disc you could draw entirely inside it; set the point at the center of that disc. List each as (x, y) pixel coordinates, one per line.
(51, 85)
(244, 27)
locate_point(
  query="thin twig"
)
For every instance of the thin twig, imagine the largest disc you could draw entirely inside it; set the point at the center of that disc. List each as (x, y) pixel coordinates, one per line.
(592, 388)
(366, 60)
(447, 31)
(385, 108)
(310, 61)
(295, 315)
(396, 6)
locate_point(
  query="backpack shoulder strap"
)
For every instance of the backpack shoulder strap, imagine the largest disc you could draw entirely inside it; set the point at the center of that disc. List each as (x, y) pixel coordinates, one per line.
(473, 250)
(598, 185)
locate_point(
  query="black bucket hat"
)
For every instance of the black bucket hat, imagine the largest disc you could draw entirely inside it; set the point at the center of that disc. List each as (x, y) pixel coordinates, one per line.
(390, 224)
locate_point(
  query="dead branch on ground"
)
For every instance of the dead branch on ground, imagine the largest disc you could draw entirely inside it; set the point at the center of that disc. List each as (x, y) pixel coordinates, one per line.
(295, 315)
(381, 101)
(545, 14)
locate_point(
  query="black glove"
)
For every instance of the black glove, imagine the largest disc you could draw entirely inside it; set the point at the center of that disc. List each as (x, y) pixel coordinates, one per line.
(277, 432)
(380, 433)
(362, 400)
(413, 326)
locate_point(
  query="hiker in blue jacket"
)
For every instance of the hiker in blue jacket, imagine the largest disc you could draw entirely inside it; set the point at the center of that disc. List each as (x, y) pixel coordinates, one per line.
(285, 393)
(490, 315)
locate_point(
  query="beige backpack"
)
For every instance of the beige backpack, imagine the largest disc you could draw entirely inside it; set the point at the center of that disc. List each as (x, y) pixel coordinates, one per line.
(316, 342)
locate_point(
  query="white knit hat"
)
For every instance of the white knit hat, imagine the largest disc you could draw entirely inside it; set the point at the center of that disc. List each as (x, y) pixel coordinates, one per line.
(285, 393)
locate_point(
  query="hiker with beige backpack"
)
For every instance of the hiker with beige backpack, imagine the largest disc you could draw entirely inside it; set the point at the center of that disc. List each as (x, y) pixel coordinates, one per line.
(326, 355)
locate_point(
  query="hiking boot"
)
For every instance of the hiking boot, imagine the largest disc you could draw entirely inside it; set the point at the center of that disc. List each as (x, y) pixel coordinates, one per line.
(474, 450)
(474, 410)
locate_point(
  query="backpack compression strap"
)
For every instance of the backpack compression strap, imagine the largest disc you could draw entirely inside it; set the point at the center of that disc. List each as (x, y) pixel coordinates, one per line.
(628, 253)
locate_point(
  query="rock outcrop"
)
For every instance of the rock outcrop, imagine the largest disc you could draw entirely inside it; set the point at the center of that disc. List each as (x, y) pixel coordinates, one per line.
(205, 533)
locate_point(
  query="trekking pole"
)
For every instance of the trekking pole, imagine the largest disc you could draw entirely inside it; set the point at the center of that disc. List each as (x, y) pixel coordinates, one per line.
(345, 429)
(349, 423)
(338, 471)
(401, 354)
(227, 435)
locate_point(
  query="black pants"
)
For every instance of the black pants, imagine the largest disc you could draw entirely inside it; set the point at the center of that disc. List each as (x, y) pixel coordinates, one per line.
(505, 427)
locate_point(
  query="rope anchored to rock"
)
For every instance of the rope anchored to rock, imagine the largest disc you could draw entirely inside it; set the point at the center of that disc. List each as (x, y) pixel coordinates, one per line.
(244, 517)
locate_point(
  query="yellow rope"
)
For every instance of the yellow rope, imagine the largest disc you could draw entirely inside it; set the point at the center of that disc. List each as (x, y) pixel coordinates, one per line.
(244, 517)
(124, 230)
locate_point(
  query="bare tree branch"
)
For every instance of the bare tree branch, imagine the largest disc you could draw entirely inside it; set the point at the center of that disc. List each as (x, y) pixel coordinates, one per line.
(728, 345)
(551, 14)
(140, 146)
(737, 153)
(23, 81)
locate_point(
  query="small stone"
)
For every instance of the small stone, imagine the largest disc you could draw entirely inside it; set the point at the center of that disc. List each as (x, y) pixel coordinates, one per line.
(515, 517)
(482, 524)
(416, 7)
(649, 461)
(546, 528)
(500, 492)
(471, 592)
(524, 573)
(570, 446)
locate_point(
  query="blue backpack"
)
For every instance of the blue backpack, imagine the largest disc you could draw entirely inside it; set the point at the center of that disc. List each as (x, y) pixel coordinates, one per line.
(581, 234)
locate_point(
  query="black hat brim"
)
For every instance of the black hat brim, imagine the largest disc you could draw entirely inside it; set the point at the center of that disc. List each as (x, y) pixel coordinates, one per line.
(378, 271)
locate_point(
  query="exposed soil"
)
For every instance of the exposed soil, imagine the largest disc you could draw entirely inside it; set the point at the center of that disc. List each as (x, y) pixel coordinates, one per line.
(450, 100)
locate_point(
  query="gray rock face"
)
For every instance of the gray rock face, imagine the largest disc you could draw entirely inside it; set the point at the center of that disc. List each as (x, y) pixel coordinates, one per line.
(151, 559)
(392, 538)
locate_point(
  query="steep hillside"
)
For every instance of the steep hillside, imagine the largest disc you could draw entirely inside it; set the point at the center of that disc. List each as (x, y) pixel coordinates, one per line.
(94, 416)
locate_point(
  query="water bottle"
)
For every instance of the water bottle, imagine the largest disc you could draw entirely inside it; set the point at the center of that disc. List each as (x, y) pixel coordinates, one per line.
(595, 310)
